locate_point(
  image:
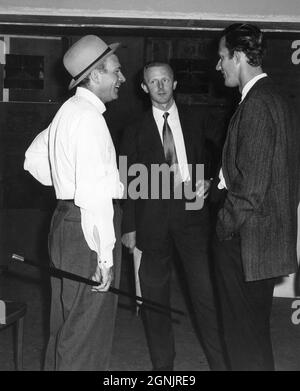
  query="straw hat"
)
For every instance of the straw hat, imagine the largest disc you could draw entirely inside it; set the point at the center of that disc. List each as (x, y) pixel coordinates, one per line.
(85, 55)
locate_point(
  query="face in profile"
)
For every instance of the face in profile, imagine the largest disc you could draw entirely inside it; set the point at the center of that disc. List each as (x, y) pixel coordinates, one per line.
(111, 79)
(159, 84)
(229, 66)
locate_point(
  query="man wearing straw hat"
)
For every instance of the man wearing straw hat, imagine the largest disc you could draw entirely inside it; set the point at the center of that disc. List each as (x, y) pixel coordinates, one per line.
(76, 155)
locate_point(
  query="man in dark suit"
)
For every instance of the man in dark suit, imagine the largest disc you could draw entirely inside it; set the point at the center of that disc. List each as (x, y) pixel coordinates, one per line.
(256, 226)
(155, 224)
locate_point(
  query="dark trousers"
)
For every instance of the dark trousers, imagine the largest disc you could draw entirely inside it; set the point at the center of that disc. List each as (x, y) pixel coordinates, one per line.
(246, 309)
(81, 321)
(191, 242)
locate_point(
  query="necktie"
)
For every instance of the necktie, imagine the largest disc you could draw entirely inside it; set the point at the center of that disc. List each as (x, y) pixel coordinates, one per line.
(168, 142)
(170, 154)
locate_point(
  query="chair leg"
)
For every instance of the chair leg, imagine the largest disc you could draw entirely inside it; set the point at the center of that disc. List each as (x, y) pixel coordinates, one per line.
(18, 341)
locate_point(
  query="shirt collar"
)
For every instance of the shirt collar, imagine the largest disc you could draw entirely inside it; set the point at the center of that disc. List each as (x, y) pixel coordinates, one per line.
(250, 84)
(158, 113)
(91, 97)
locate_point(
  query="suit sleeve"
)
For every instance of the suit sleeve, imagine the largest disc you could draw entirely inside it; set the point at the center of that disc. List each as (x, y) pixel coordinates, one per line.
(254, 155)
(128, 150)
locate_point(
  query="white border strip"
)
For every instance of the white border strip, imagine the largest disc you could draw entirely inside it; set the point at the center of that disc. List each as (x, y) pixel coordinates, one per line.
(147, 14)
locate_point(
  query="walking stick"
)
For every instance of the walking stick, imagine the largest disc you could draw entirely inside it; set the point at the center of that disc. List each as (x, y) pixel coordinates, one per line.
(75, 277)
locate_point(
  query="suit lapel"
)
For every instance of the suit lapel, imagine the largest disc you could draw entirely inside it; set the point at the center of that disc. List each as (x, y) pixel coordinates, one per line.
(231, 135)
(153, 141)
(152, 138)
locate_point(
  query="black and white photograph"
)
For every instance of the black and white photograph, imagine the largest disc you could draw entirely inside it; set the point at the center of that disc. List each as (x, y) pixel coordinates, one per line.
(149, 189)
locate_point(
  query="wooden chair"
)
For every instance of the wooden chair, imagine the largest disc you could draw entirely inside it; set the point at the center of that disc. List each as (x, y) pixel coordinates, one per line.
(14, 315)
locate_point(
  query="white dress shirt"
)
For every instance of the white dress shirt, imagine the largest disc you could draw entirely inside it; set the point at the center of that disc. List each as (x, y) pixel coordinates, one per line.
(174, 123)
(76, 155)
(247, 87)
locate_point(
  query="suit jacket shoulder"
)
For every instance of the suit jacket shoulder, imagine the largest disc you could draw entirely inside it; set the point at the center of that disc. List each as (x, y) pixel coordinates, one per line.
(266, 91)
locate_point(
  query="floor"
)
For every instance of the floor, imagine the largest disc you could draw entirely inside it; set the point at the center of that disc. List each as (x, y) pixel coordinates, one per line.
(23, 283)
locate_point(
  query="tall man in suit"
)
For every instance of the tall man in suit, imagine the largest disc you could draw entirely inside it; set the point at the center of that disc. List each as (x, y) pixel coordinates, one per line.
(256, 226)
(155, 225)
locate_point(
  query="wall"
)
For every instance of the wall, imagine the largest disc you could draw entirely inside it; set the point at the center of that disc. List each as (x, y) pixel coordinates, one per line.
(258, 10)
(285, 67)
(25, 112)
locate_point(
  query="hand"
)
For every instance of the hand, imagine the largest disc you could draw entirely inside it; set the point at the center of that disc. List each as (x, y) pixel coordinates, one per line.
(104, 275)
(202, 188)
(129, 240)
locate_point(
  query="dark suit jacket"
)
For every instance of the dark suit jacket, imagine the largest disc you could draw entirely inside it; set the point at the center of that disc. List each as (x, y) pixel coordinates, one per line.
(142, 144)
(261, 169)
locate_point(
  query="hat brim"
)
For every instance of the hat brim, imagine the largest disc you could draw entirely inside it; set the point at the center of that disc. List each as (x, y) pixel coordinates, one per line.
(113, 47)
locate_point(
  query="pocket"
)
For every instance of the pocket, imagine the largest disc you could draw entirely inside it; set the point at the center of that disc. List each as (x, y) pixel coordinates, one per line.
(258, 219)
(74, 248)
(73, 219)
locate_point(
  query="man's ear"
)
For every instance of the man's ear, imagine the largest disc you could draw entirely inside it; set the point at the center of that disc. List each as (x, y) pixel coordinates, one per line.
(174, 85)
(145, 88)
(95, 75)
(237, 55)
